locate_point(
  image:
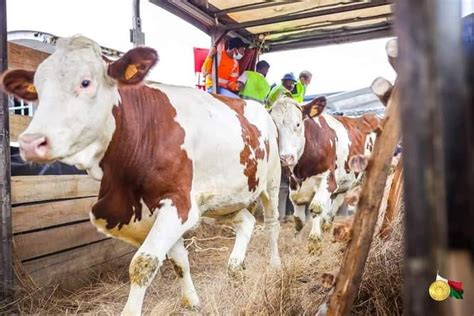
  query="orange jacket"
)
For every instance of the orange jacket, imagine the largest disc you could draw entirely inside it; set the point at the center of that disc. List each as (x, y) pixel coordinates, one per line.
(227, 74)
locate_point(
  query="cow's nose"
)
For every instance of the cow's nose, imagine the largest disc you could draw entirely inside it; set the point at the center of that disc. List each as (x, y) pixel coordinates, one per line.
(287, 160)
(33, 147)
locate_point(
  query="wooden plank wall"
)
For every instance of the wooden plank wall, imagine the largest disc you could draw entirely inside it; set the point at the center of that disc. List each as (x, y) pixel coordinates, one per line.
(18, 123)
(53, 236)
(23, 57)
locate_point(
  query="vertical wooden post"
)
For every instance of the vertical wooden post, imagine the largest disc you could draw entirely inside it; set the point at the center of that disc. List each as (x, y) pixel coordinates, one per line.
(425, 219)
(6, 265)
(350, 275)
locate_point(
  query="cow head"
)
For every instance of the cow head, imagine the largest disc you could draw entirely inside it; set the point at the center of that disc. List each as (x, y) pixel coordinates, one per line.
(289, 118)
(76, 90)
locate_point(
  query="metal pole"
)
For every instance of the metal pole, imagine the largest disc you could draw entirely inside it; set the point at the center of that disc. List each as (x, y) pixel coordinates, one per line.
(424, 186)
(137, 37)
(6, 268)
(215, 65)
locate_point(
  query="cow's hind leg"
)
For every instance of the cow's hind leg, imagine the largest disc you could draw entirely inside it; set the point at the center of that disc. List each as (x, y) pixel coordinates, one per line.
(244, 223)
(178, 255)
(166, 231)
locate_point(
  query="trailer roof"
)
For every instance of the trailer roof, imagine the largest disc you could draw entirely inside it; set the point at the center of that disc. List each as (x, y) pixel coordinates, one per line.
(283, 25)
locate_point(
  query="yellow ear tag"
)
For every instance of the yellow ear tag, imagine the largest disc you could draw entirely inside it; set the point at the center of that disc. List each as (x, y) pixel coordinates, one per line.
(130, 71)
(314, 111)
(31, 88)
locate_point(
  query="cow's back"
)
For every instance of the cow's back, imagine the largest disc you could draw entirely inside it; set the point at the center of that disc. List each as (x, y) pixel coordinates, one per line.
(232, 144)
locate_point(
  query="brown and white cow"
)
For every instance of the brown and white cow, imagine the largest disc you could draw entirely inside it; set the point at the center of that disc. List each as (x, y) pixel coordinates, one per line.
(316, 148)
(165, 155)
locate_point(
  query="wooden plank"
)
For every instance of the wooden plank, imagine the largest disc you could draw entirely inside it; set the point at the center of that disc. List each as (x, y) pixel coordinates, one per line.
(34, 216)
(43, 188)
(350, 276)
(43, 242)
(66, 267)
(23, 57)
(393, 202)
(18, 123)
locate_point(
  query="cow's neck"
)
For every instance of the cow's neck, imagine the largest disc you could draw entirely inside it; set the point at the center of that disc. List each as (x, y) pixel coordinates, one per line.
(143, 124)
(145, 162)
(319, 150)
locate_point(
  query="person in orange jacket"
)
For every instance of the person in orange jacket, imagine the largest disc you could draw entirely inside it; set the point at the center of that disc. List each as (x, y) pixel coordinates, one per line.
(228, 69)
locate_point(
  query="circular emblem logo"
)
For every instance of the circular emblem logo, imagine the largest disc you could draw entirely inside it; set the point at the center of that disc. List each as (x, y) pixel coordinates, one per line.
(439, 290)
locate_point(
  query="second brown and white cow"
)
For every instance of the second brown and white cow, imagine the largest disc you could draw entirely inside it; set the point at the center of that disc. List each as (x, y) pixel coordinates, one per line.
(317, 148)
(165, 155)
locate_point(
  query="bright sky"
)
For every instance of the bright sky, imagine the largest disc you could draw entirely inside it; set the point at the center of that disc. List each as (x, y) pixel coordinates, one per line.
(335, 68)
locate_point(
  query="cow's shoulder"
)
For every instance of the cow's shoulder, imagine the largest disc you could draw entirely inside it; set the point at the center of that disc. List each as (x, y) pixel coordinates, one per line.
(143, 159)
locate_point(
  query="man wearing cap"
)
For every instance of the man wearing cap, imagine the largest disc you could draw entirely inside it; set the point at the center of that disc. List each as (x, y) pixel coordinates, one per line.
(228, 69)
(287, 85)
(300, 87)
(253, 85)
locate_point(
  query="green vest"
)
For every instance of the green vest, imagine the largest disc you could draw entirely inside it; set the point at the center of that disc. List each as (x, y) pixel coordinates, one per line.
(300, 92)
(256, 87)
(275, 94)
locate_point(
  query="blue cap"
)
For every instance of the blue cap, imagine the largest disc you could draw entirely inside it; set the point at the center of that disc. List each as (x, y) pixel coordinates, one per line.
(289, 76)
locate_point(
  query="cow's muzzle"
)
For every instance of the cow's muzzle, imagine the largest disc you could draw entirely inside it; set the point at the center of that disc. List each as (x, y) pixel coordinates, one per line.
(287, 160)
(34, 147)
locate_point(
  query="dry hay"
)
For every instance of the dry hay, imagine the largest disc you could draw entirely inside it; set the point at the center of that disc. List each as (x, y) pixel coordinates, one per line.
(296, 289)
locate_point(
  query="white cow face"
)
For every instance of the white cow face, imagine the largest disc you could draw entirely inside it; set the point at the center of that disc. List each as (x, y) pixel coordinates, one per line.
(289, 119)
(76, 90)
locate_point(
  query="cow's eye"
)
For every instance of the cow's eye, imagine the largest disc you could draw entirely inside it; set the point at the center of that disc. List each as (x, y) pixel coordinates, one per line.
(85, 83)
(298, 125)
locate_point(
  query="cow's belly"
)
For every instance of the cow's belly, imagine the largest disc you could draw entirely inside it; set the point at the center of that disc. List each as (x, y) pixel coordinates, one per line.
(134, 232)
(217, 204)
(305, 194)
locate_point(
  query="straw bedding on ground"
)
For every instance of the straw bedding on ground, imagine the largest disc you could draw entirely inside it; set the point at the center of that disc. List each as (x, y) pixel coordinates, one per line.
(294, 290)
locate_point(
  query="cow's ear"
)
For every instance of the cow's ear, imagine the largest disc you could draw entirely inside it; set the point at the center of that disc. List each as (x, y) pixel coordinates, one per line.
(19, 83)
(315, 107)
(133, 67)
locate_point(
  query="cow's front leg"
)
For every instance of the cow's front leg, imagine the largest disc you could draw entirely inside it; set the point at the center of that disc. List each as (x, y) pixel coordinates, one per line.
(300, 215)
(179, 257)
(320, 208)
(244, 223)
(336, 204)
(165, 232)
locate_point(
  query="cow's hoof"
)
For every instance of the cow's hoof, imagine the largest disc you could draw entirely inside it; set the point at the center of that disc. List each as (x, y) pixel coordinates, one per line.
(327, 226)
(314, 245)
(235, 270)
(191, 302)
(298, 224)
(315, 208)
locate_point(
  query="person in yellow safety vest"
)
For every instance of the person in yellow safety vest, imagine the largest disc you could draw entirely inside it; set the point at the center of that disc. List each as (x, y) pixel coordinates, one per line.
(300, 87)
(228, 67)
(253, 85)
(287, 85)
